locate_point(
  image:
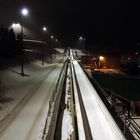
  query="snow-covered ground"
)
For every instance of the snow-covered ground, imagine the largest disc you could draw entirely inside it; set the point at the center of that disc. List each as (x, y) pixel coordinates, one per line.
(67, 124)
(18, 86)
(67, 127)
(35, 89)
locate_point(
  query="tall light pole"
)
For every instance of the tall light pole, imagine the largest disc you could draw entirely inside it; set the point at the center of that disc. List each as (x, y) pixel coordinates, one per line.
(83, 46)
(44, 30)
(86, 49)
(24, 12)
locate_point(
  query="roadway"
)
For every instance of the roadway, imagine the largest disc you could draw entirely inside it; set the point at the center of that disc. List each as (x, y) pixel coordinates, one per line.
(28, 123)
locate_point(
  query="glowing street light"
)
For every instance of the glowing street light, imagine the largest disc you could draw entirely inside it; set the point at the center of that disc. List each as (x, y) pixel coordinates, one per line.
(52, 37)
(24, 11)
(80, 38)
(82, 43)
(101, 58)
(44, 29)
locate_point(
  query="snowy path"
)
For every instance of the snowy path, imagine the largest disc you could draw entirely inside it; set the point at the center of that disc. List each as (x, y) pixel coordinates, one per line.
(28, 124)
(18, 87)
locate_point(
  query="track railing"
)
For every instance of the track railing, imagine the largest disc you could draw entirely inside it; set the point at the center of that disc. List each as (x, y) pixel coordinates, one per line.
(93, 118)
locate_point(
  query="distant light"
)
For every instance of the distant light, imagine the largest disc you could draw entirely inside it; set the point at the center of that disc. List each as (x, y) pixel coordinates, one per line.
(24, 11)
(52, 37)
(56, 40)
(44, 29)
(129, 58)
(80, 38)
(16, 27)
(136, 53)
(101, 58)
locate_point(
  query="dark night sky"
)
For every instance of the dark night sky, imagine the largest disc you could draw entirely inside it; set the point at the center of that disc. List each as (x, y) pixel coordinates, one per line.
(96, 20)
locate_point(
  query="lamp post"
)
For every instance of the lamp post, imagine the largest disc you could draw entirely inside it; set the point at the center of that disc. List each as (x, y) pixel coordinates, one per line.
(24, 12)
(86, 47)
(83, 46)
(44, 30)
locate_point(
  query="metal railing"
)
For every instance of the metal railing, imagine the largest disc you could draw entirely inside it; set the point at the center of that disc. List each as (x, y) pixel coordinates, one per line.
(54, 101)
(130, 123)
(116, 102)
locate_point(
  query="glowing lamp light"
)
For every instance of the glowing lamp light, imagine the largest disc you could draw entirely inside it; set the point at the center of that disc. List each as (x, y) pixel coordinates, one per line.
(24, 11)
(16, 27)
(101, 58)
(80, 38)
(52, 37)
(44, 29)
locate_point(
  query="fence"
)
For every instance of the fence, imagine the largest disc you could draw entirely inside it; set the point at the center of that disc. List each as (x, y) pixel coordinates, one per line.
(54, 102)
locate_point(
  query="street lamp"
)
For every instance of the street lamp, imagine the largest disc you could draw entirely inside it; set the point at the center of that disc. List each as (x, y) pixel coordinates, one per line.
(80, 38)
(24, 12)
(52, 37)
(82, 46)
(56, 40)
(44, 30)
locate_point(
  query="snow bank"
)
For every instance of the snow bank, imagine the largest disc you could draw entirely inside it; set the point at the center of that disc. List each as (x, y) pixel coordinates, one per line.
(67, 127)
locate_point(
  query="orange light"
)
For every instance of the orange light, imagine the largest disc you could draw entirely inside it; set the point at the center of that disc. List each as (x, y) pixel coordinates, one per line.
(101, 58)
